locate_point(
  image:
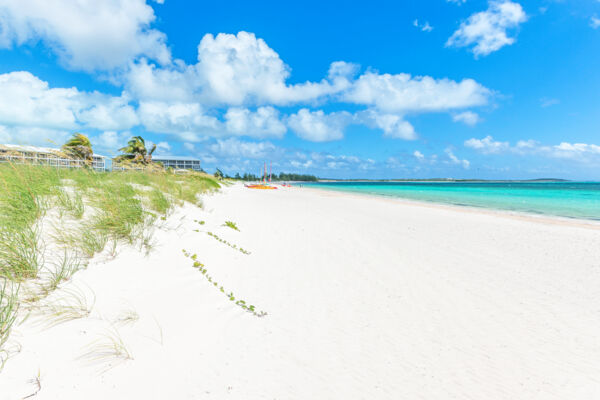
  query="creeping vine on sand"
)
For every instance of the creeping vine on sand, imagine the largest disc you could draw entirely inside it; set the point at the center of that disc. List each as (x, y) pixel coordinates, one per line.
(232, 245)
(241, 303)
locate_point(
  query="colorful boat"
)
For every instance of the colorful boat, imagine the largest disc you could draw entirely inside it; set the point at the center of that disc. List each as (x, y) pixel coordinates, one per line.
(263, 185)
(260, 186)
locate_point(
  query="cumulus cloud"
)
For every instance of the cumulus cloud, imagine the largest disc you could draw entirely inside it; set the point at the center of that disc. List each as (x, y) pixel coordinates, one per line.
(487, 145)
(582, 152)
(188, 120)
(455, 160)
(26, 100)
(85, 34)
(404, 93)
(232, 91)
(264, 122)
(488, 30)
(392, 125)
(457, 2)
(418, 155)
(111, 140)
(32, 135)
(316, 126)
(234, 148)
(594, 22)
(468, 117)
(232, 70)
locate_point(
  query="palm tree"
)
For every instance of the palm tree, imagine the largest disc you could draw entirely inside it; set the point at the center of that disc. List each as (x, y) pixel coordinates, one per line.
(79, 147)
(136, 151)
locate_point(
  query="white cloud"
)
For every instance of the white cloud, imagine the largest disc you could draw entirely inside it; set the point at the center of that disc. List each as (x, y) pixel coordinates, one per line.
(424, 27)
(33, 135)
(403, 93)
(298, 164)
(317, 126)
(232, 70)
(85, 34)
(264, 122)
(594, 22)
(240, 69)
(487, 145)
(187, 120)
(582, 152)
(26, 100)
(393, 125)
(574, 150)
(189, 146)
(107, 112)
(419, 155)
(468, 117)
(234, 148)
(457, 2)
(111, 140)
(487, 30)
(455, 160)
(163, 148)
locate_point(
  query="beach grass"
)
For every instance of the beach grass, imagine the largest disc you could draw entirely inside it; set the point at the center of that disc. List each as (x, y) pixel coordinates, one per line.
(87, 210)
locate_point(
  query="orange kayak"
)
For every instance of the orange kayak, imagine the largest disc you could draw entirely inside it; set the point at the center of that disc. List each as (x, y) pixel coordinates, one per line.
(260, 187)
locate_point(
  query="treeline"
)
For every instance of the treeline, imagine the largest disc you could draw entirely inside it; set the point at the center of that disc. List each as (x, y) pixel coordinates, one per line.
(282, 177)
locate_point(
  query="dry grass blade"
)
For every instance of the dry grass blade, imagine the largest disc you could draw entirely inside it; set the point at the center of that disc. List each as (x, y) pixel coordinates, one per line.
(65, 305)
(108, 351)
(8, 314)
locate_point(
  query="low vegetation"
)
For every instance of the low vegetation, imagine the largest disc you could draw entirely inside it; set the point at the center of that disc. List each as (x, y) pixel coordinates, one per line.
(233, 246)
(53, 220)
(240, 303)
(231, 225)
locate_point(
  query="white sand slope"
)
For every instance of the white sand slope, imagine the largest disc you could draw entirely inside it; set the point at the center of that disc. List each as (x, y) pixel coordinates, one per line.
(367, 298)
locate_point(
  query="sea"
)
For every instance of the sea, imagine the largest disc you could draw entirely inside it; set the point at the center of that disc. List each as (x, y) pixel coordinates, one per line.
(579, 200)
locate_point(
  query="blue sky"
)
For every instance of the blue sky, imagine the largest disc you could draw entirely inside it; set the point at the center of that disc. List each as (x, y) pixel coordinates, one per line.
(383, 89)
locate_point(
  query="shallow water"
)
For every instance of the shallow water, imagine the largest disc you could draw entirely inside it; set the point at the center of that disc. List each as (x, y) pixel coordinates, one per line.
(564, 199)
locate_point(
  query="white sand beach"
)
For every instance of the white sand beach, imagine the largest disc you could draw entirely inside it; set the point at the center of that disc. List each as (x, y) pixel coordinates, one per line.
(366, 298)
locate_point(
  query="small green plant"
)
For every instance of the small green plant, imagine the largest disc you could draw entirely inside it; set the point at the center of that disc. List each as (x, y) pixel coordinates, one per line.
(159, 202)
(233, 246)
(231, 225)
(72, 204)
(240, 303)
(63, 270)
(8, 314)
(20, 253)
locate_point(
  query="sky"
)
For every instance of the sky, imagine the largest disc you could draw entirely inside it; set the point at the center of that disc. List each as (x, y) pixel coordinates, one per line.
(379, 89)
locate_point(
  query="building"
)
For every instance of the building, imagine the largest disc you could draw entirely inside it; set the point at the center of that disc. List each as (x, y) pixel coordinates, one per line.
(177, 162)
(21, 154)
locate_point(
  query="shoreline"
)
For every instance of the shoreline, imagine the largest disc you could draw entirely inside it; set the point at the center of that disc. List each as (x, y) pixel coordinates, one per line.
(532, 216)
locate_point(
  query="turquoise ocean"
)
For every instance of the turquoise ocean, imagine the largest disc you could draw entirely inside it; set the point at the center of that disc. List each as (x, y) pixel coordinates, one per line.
(564, 199)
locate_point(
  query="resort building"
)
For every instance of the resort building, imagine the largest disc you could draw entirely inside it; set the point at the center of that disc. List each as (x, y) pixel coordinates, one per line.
(177, 162)
(47, 156)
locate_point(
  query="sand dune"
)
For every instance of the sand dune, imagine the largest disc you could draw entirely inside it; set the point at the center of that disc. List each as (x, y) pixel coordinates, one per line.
(367, 298)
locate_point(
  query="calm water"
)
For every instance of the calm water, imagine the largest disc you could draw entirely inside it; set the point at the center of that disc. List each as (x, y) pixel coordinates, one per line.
(565, 199)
